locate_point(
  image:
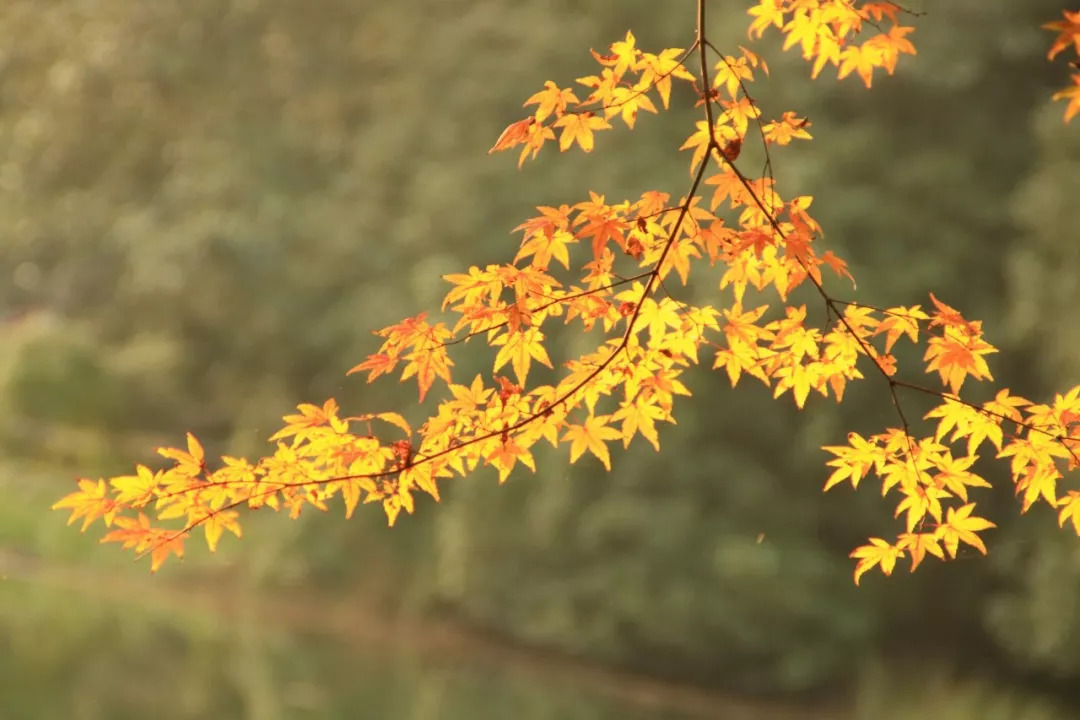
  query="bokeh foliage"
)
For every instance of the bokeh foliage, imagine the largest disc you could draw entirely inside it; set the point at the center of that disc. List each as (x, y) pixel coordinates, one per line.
(209, 203)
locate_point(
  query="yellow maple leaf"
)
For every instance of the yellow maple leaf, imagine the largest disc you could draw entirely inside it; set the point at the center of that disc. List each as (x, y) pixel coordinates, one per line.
(136, 490)
(191, 463)
(765, 13)
(90, 502)
(918, 544)
(1070, 510)
(590, 436)
(552, 100)
(959, 526)
(579, 127)
(879, 552)
(520, 349)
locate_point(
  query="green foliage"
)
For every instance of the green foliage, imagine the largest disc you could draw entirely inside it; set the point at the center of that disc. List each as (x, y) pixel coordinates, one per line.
(209, 203)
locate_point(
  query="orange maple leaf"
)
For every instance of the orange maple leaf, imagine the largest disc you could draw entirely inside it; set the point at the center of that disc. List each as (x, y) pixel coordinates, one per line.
(1071, 94)
(514, 134)
(1068, 33)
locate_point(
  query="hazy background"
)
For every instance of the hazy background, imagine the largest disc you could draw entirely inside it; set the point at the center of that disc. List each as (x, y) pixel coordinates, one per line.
(209, 204)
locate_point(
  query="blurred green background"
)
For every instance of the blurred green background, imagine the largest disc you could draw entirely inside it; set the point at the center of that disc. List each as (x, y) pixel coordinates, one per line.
(208, 204)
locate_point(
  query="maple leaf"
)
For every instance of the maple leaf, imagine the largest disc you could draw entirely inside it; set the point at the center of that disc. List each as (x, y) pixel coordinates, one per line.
(538, 134)
(138, 534)
(310, 417)
(590, 436)
(731, 72)
(765, 13)
(892, 45)
(1071, 94)
(954, 357)
(921, 501)
(878, 11)
(376, 364)
(514, 134)
(728, 185)
(214, 523)
(627, 102)
(860, 59)
(918, 544)
(520, 349)
(788, 128)
(900, 321)
(136, 490)
(679, 257)
(804, 29)
(640, 416)
(955, 475)
(579, 128)
(878, 553)
(552, 100)
(658, 70)
(853, 461)
(1068, 33)
(1040, 481)
(961, 525)
(828, 53)
(543, 247)
(1070, 510)
(624, 55)
(699, 141)
(90, 502)
(737, 115)
(191, 463)
(507, 453)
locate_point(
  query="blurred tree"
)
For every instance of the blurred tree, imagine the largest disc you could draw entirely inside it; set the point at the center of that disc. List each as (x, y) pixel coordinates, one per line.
(210, 203)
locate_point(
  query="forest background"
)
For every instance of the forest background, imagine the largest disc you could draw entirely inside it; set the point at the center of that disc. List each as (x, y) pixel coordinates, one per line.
(210, 203)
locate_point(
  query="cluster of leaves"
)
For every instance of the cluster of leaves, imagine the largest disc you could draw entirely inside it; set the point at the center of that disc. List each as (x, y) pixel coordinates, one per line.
(1068, 34)
(607, 269)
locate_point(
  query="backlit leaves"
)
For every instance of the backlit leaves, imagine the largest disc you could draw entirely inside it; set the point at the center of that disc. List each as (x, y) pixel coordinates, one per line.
(604, 270)
(1068, 36)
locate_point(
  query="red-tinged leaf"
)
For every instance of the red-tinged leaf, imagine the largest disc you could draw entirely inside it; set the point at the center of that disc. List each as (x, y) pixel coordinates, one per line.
(427, 365)
(376, 365)
(514, 134)
(137, 534)
(506, 455)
